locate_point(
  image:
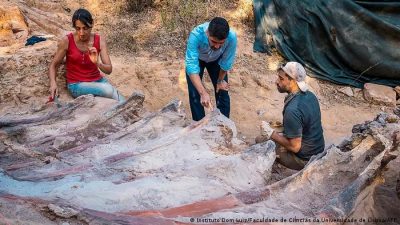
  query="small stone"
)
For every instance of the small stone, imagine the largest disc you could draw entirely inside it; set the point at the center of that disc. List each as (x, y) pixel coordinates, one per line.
(347, 91)
(381, 118)
(396, 111)
(59, 142)
(62, 212)
(380, 94)
(261, 112)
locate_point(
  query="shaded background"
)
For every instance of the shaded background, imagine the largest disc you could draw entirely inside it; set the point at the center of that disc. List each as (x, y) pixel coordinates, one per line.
(342, 41)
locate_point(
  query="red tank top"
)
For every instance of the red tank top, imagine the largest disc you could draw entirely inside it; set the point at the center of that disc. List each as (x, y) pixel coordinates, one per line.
(79, 67)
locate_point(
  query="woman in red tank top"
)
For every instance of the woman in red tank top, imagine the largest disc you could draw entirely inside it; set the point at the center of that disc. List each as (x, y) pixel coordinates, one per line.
(86, 55)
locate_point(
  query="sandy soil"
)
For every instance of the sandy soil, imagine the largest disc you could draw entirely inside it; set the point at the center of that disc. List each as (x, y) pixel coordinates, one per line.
(253, 92)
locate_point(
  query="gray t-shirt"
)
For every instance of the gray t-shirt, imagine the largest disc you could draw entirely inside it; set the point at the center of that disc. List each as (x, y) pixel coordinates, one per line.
(302, 118)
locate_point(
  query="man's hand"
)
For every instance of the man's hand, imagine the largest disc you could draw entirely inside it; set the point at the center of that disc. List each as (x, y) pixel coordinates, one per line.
(53, 89)
(206, 101)
(266, 129)
(223, 85)
(93, 54)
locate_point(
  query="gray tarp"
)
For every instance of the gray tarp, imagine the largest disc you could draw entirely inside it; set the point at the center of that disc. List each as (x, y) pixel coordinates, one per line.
(342, 41)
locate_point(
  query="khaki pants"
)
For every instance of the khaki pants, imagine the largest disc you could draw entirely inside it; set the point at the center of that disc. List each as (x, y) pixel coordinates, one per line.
(289, 159)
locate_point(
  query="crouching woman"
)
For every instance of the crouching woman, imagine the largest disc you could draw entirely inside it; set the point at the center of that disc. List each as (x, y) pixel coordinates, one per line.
(86, 55)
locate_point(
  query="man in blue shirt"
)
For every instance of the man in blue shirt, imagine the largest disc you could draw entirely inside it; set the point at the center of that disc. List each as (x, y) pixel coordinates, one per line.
(302, 130)
(212, 46)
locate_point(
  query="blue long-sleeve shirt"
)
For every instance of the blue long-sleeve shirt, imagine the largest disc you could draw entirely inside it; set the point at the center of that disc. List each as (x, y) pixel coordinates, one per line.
(198, 47)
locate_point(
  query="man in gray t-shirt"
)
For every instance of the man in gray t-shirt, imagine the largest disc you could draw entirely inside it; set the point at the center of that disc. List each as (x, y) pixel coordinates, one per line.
(302, 131)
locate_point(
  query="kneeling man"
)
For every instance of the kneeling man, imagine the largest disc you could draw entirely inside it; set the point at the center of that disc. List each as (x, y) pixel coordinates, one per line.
(302, 134)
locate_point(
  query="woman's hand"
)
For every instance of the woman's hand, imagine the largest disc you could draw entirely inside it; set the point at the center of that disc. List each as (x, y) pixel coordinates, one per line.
(93, 55)
(53, 89)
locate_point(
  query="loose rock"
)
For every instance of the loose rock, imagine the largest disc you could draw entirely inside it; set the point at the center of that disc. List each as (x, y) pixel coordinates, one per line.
(380, 94)
(347, 91)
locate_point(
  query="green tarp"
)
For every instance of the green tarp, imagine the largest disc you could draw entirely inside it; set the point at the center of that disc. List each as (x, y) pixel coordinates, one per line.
(342, 41)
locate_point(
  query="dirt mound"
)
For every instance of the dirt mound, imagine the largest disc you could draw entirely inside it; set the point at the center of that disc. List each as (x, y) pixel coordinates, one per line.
(13, 28)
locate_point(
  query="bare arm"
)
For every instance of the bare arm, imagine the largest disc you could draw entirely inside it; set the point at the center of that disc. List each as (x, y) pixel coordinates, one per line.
(196, 81)
(105, 65)
(204, 97)
(291, 144)
(55, 63)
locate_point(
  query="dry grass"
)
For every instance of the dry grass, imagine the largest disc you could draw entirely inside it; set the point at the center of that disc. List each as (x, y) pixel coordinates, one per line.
(138, 5)
(165, 24)
(181, 16)
(244, 12)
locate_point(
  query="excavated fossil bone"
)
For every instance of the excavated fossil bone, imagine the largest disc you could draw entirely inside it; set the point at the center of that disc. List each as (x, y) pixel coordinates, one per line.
(153, 168)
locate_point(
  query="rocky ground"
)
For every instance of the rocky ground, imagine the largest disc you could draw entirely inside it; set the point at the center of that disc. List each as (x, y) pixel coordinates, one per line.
(148, 58)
